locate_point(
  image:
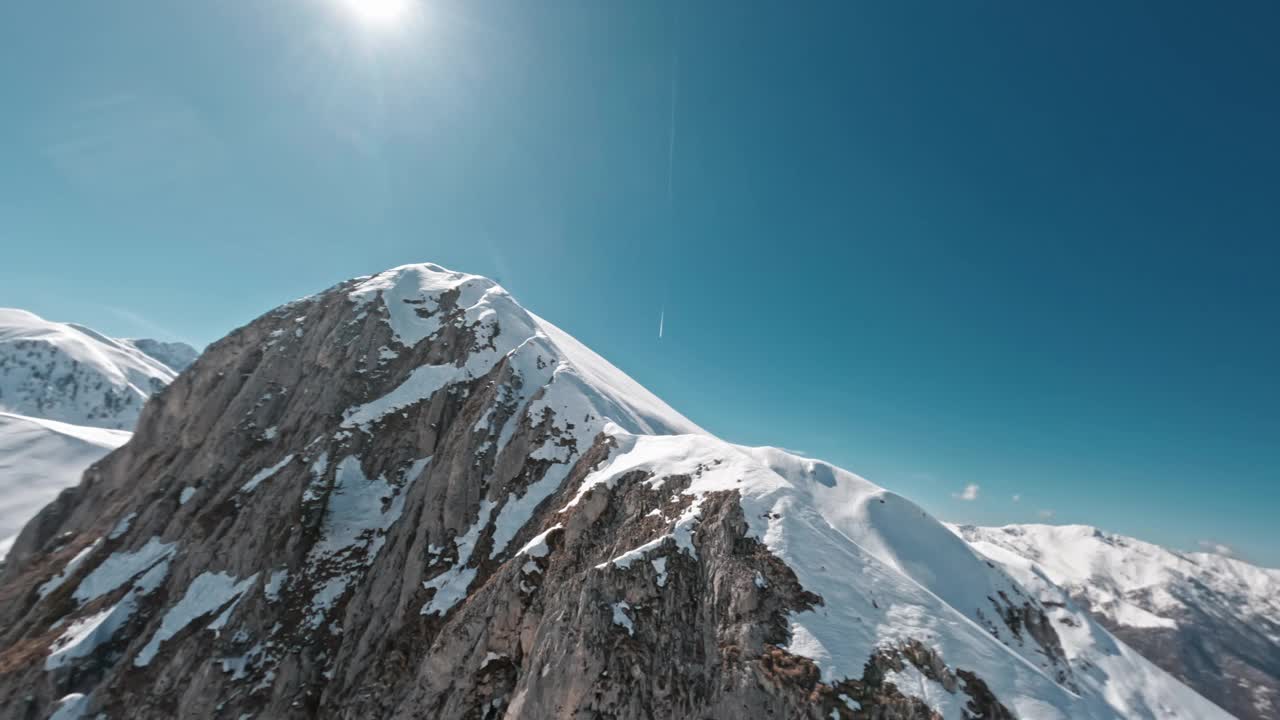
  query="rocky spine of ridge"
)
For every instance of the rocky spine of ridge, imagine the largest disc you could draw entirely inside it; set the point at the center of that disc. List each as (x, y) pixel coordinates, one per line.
(179, 578)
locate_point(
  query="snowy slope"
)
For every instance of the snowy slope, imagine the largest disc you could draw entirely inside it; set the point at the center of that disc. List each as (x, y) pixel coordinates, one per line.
(888, 572)
(38, 458)
(73, 374)
(1211, 620)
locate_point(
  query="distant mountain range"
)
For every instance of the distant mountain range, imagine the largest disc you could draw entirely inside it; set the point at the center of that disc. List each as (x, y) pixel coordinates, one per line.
(178, 356)
(1211, 621)
(407, 496)
(69, 373)
(68, 396)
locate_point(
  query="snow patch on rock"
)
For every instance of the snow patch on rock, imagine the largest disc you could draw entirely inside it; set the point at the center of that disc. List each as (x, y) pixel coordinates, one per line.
(265, 473)
(451, 585)
(67, 571)
(357, 516)
(208, 592)
(622, 617)
(121, 567)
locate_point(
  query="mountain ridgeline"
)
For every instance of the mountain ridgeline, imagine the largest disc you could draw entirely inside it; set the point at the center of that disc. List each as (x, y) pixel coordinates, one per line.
(409, 497)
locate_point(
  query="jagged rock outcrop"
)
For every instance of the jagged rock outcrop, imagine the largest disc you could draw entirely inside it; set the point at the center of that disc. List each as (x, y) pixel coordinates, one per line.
(408, 497)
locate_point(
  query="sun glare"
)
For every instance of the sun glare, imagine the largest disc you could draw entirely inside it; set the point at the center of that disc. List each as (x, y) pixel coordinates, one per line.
(380, 13)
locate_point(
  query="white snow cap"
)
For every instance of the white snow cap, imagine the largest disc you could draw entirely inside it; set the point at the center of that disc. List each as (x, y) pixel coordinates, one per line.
(411, 296)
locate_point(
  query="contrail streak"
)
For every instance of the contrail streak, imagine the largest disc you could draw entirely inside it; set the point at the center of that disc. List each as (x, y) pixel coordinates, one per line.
(662, 320)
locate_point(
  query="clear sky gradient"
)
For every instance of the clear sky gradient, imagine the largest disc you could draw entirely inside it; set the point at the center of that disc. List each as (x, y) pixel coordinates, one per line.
(1028, 248)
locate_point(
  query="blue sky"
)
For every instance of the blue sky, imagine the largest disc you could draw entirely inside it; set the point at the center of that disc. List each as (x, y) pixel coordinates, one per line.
(1027, 248)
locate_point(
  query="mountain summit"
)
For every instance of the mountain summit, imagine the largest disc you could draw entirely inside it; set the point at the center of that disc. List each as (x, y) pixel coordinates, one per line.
(407, 497)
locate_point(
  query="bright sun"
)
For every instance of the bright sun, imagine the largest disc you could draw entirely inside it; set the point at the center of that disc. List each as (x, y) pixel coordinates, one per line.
(380, 13)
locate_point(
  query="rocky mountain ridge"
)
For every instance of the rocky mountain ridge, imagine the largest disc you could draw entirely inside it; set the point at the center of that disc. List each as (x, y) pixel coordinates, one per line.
(409, 497)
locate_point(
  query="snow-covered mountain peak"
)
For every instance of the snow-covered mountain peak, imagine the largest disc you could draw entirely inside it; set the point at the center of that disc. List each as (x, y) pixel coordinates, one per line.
(423, 300)
(411, 295)
(72, 374)
(409, 494)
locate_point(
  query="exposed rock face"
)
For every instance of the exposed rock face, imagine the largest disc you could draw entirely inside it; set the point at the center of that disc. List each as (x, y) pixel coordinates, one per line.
(407, 497)
(1211, 621)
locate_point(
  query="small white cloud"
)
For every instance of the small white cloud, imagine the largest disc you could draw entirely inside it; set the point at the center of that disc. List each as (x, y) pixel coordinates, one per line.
(1046, 514)
(1017, 497)
(969, 493)
(1217, 548)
